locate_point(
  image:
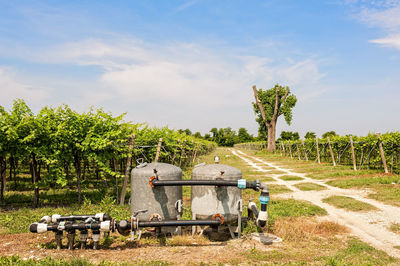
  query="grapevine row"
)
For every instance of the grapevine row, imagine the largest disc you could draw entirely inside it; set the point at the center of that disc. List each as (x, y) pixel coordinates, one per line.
(59, 147)
(367, 153)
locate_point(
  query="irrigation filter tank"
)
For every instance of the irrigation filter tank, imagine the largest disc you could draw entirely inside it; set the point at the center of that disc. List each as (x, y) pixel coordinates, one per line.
(156, 202)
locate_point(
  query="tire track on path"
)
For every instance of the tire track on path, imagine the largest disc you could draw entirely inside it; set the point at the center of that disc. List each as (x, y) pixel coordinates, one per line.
(371, 227)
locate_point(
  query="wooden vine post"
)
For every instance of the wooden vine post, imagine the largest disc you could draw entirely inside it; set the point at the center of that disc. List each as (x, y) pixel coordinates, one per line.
(304, 149)
(353, 156)
(318, 157)
(382, 153)
(127, 169)
(298, 151)
(158, 150)
(174, 155)
(290, 150)
(331, 151)
(392, 159)
(182, 152)
(195, 153)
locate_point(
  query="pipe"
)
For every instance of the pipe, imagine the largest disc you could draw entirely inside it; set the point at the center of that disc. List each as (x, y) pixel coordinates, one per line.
(71, 238)
(96, 238)
(180, 223)
(264, 200)
(83, 236)
(42, 227)
(241, 183)
(57, 218)
(124, 226)
(252, 210)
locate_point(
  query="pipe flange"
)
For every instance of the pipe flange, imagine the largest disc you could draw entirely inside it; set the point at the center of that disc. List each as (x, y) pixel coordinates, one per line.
(155, 217)
(151, 181)
(218, 216)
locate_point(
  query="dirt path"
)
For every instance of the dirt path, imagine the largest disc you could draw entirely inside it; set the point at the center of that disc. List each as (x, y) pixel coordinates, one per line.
(371, 227)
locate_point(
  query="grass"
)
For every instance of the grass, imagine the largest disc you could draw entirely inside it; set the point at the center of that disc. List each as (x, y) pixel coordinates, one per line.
(357, 252)
(395, 227)
(277, 189)
(348, 203)
(309, 186)
(381, 185)
(339, 171)
(18, 221)
(16, 260)
(364, 181)
(290, 178)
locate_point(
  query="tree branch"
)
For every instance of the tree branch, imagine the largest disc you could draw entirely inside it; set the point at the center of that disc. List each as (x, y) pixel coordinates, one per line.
(260, 106)
(286, 94)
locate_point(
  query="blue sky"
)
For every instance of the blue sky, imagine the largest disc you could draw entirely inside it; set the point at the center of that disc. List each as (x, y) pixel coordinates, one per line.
(191, 64)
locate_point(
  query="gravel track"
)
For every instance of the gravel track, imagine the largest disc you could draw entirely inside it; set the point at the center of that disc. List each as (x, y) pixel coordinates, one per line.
(371, 227)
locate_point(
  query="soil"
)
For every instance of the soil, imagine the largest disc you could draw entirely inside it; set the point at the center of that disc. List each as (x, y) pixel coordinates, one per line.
(29, 246)
(371, 227)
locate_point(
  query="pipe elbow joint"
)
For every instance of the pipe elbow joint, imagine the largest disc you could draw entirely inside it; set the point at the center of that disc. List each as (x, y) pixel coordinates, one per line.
(262, 219)
(38, 228)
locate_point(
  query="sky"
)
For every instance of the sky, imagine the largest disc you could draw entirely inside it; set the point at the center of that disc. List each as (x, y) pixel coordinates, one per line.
(192, 63)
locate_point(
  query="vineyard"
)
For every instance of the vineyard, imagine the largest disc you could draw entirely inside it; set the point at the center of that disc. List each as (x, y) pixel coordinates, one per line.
(373, 151)
(60, 148)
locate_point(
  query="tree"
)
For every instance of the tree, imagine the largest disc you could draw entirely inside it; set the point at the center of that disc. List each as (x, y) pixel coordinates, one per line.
(197, 135)
(269, 105)
(329, 134)
(244, 136)
(288, 135)
(310, 135)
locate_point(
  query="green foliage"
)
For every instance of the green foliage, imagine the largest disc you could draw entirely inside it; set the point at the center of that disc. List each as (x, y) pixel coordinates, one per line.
(244, 136)
(61, 145)
(366, 150)
(288, 135)
(310, 135)
(329, 134)
(268, 100)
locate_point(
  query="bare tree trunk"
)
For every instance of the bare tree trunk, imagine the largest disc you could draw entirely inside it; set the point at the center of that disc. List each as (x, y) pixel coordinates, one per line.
(35, 179)
(3, 167)
(77, 164)
(127, 169)
(271, 136)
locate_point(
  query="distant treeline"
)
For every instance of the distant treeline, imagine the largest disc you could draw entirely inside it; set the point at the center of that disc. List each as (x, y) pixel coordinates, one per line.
(224, 136)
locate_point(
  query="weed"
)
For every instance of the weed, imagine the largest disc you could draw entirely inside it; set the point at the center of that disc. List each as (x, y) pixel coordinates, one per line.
(309, 186)
(360, 253)
(395, 227)
(276, 189)
(290, 178)
(348, 203)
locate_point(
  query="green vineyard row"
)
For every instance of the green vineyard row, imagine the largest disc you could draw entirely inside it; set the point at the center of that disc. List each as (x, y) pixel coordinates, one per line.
(58, 146)
(366, 150)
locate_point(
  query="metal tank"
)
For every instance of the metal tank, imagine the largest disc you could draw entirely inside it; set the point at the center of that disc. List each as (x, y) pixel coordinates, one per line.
(209, 200)
(157, 200)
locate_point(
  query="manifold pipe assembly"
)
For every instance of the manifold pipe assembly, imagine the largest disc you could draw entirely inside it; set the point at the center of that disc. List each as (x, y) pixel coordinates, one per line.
(57, 218)
(241, 183)
(123, 227)
(262, 215)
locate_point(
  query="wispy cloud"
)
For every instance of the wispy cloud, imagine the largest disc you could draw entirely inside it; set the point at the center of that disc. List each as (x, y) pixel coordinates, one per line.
(384, 15)
(179, 72)
(12, 87)
(161, 80)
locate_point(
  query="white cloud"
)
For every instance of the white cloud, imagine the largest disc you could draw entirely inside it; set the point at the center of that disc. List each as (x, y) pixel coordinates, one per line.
(384, 15)
(390, 41)
(184, 73)
(180, 84)
(12, 88)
